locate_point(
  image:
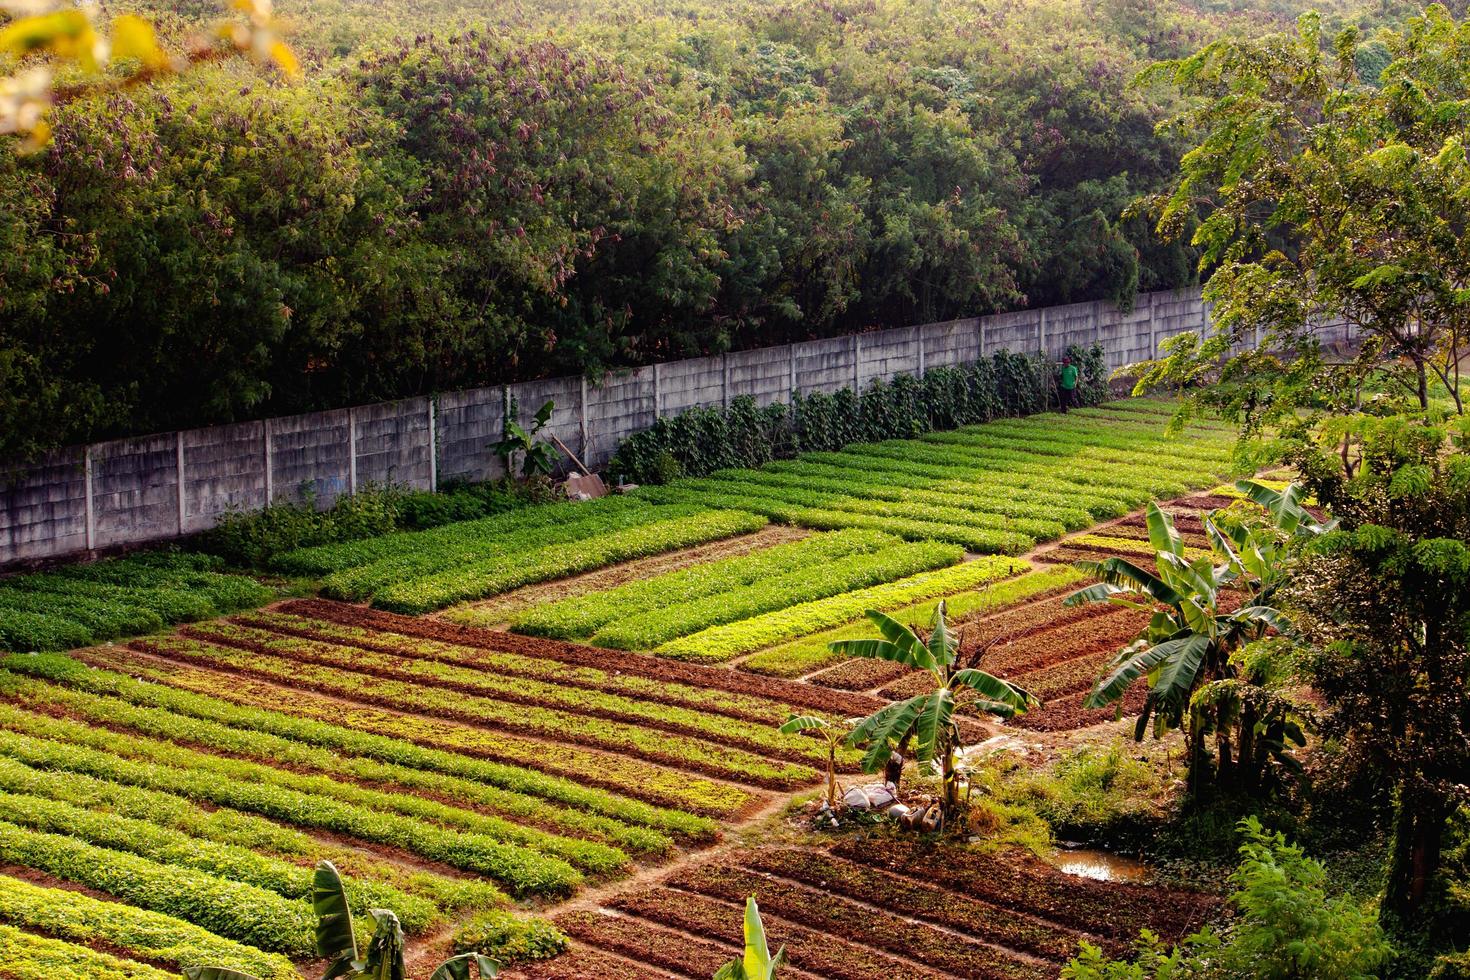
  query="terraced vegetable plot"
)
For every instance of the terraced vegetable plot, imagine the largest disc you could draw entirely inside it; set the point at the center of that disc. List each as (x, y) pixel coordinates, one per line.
(998, 488)
(197, 776)
(876, 907)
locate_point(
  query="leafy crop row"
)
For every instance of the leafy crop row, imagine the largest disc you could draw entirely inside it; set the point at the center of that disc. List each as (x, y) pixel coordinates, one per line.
(724, 642)
(431, 552)
(177, 849)
(581, 616)
(60, 744)
(660, 626)
(475, 581)
(84, 604)
(507, 759)
(384, 747)
(635, 739)
(326, 559)
(226, 908)
(25, 956)
(810, 653)
(158, 938)
(614, 679)
(756, 736)
(226, 826)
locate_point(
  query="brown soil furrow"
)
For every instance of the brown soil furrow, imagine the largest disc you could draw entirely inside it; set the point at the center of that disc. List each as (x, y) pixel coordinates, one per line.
(503, 606)
(344, 690)
(589, 963)
(498, 694)
(868, 925)
(818, 952)
(1114, 909)
(1067, 713)
(985, 922)
(859, 675)
(671, 949)
(435, 732)
(720, 678)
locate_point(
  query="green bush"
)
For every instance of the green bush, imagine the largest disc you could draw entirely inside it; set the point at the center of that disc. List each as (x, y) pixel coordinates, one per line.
(508, 938)
(30, 631)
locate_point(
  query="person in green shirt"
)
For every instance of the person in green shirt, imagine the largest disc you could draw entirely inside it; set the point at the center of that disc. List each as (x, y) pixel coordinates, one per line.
(1067, 385)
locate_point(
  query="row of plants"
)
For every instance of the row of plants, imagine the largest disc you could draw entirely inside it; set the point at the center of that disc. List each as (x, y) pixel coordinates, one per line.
(589, 855)
(719, 643)
(661, 626)
(611, 679)
(45, 742)
(581, 616)
(812, 653)
(701, 440)
(226, 908)
(415, 555)
(222, 825)
(150, 936)
(634, 739)
(176, 849)
(755, 736)
(385, 747)
(475, 580)
(83, 604)
(27, 956)
(673, 795)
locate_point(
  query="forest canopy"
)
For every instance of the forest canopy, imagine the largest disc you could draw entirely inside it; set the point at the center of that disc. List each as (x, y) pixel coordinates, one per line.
(459, 194)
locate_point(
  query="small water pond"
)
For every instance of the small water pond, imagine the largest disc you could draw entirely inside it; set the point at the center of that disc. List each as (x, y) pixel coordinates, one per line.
(1087, 862)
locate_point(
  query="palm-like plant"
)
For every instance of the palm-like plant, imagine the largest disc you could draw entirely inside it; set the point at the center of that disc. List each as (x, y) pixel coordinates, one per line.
(928, 719)
(1190, 637)
(833, 734)
(336, 940)
(757, 963)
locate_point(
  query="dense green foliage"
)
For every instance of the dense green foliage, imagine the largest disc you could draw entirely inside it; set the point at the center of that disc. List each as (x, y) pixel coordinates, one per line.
(512, 191)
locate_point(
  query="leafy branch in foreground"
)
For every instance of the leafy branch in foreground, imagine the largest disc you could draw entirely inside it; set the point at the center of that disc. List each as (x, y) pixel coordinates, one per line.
(336, 940)
(757, 963)
(928, 719)
(39, 35)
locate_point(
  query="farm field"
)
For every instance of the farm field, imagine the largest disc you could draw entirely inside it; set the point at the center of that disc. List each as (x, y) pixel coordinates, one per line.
(607, 702)
(873, 906)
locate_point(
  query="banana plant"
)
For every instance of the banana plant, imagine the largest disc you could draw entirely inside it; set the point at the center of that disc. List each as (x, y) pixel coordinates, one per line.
(336, 941)
(1190, 637)
(928, 719)
(757, 963)
(833, 734)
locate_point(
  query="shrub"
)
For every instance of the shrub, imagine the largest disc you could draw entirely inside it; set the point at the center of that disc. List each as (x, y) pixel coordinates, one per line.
(508, 938)
(30, 631)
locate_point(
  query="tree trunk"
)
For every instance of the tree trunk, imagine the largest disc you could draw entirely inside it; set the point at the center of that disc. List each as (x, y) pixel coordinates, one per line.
(831, 774)
(951, 787)
(1418, 837)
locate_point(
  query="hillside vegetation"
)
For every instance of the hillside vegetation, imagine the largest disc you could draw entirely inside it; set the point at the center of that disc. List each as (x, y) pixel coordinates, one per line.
(461, 193)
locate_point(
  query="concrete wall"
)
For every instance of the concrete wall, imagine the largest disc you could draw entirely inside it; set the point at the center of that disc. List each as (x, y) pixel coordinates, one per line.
(157, 487)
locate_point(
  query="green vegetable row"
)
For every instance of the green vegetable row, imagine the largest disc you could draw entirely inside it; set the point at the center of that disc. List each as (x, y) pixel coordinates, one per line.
(669, 791)
(222, 825)
(724, 642)
(177, 849)
(44, 742)
(368, 745)
(226, 908)
(71, 915)
(581, 616)
(760, 736)
(477, 580)
(811, 653)
(25, 956)
(662, 625)
(635, 739)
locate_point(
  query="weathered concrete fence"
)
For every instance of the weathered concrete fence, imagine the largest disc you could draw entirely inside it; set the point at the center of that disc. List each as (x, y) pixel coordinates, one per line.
(155, 487)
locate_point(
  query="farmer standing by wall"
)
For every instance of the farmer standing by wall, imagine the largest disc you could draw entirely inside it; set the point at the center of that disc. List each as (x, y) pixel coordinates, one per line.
(1067, 384)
